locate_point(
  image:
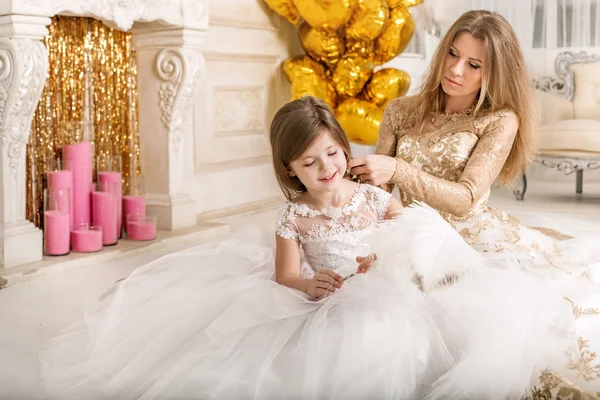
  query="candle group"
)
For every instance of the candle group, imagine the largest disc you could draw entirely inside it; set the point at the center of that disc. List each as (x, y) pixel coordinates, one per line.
(84, 216)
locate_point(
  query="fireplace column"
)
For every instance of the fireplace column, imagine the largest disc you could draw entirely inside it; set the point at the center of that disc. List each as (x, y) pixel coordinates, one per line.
(170, 65)
(23, 68)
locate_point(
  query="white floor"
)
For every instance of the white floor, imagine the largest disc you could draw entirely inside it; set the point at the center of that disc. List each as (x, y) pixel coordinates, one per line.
(55, 299)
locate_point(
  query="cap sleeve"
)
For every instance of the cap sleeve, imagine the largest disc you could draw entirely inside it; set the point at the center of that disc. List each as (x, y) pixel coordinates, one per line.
(286, 226)
(378, 200)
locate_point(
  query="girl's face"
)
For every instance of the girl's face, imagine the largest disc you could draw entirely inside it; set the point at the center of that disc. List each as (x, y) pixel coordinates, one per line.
(463, 67)
(322, 166)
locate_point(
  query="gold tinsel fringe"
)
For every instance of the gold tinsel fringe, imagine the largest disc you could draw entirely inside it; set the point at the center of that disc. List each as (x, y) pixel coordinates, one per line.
(92, 76)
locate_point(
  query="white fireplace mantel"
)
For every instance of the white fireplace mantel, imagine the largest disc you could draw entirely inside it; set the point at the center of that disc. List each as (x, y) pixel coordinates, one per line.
(168, 36)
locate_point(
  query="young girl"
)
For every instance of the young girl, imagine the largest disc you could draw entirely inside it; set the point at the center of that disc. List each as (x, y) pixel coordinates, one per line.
(228, 320)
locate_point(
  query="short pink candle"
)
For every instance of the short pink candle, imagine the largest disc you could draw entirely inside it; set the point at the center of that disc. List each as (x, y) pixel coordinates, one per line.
(141, 230)
(114, 177)
(57, 226)
(133, 205)
(61, 180)
(79, 157)
(140, 227)
(104, 214)
(84, 240)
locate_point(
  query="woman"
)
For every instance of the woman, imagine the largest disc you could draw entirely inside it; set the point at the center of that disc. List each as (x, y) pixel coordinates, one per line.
(472, 123)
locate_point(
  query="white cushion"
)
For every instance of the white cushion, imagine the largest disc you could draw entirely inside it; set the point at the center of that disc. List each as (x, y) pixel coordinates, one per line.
(586, 100)
(570, 134)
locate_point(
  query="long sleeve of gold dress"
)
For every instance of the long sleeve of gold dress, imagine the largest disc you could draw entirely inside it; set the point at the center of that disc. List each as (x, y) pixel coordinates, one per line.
(451, 164)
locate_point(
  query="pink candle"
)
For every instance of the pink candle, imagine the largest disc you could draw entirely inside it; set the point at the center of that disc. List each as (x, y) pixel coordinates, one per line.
(141, 230)
(61, 180)
(114, 177)
(56, 232)
(79, 157)
(104, 212)
(86, 240)
(133, 205)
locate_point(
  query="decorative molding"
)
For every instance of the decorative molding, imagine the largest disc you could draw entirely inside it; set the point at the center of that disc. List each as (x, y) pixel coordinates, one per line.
(239, 110)
(195, 13)
(122, 14)
(23, 67)
(238, 57)
(180, 70)
(568, 165)
(248, 208)
(562, 66)
(550, 84)
(223, 20)
(240, 163)
(24, 26)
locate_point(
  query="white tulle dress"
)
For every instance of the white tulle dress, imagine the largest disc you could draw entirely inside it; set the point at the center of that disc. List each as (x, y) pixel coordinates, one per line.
(210, 322)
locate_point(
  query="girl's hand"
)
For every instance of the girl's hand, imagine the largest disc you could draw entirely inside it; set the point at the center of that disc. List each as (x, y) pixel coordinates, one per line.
(364, 263)
(324, 283)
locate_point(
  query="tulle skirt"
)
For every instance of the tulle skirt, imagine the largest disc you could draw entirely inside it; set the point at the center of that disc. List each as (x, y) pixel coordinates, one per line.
(210, 322)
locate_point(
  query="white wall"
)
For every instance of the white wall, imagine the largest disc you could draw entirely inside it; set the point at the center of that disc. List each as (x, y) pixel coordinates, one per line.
(242, 88)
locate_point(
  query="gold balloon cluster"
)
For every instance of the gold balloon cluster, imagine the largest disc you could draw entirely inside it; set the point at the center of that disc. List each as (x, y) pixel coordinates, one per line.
(345, 40)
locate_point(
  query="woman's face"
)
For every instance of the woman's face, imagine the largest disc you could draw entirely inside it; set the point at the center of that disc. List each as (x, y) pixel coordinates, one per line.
(463, 67)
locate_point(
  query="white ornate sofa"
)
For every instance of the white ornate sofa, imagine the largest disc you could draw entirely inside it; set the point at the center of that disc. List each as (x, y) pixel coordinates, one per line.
(569, 136)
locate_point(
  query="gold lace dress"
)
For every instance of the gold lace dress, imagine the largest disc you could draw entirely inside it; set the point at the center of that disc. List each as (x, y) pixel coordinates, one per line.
(451, 166)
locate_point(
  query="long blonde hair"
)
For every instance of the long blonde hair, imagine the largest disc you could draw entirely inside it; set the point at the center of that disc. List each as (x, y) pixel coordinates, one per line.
(505, 83)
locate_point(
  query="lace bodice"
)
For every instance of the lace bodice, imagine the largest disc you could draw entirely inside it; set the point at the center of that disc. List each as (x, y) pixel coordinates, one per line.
(331, 238)
(453, 162)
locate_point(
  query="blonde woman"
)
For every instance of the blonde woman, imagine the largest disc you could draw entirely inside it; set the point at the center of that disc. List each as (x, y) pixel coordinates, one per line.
(471, 124)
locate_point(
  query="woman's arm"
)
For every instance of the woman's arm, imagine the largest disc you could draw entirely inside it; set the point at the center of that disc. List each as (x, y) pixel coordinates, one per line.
(484, 165)
(387, 141)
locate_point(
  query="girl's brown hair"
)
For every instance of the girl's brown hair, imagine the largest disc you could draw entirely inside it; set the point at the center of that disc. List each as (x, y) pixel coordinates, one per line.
(505, 82)
(294, 128)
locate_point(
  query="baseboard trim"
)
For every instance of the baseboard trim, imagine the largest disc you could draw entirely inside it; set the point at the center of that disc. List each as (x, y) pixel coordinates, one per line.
(248, 208)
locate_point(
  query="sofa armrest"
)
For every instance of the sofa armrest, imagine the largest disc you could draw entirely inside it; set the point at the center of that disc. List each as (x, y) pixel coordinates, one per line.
(553, 108)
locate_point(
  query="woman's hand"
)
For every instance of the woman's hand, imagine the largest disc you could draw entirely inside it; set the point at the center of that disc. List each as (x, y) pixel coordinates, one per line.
(375, 169)
(323, 283)
(364, 263)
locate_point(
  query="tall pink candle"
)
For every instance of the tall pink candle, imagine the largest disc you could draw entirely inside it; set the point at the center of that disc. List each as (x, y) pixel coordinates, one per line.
(114, 177)
(86, 240)
(104, 212)
(56, 232)
(62, 180)
(133, 205)
(141, 230)
(79, 157)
